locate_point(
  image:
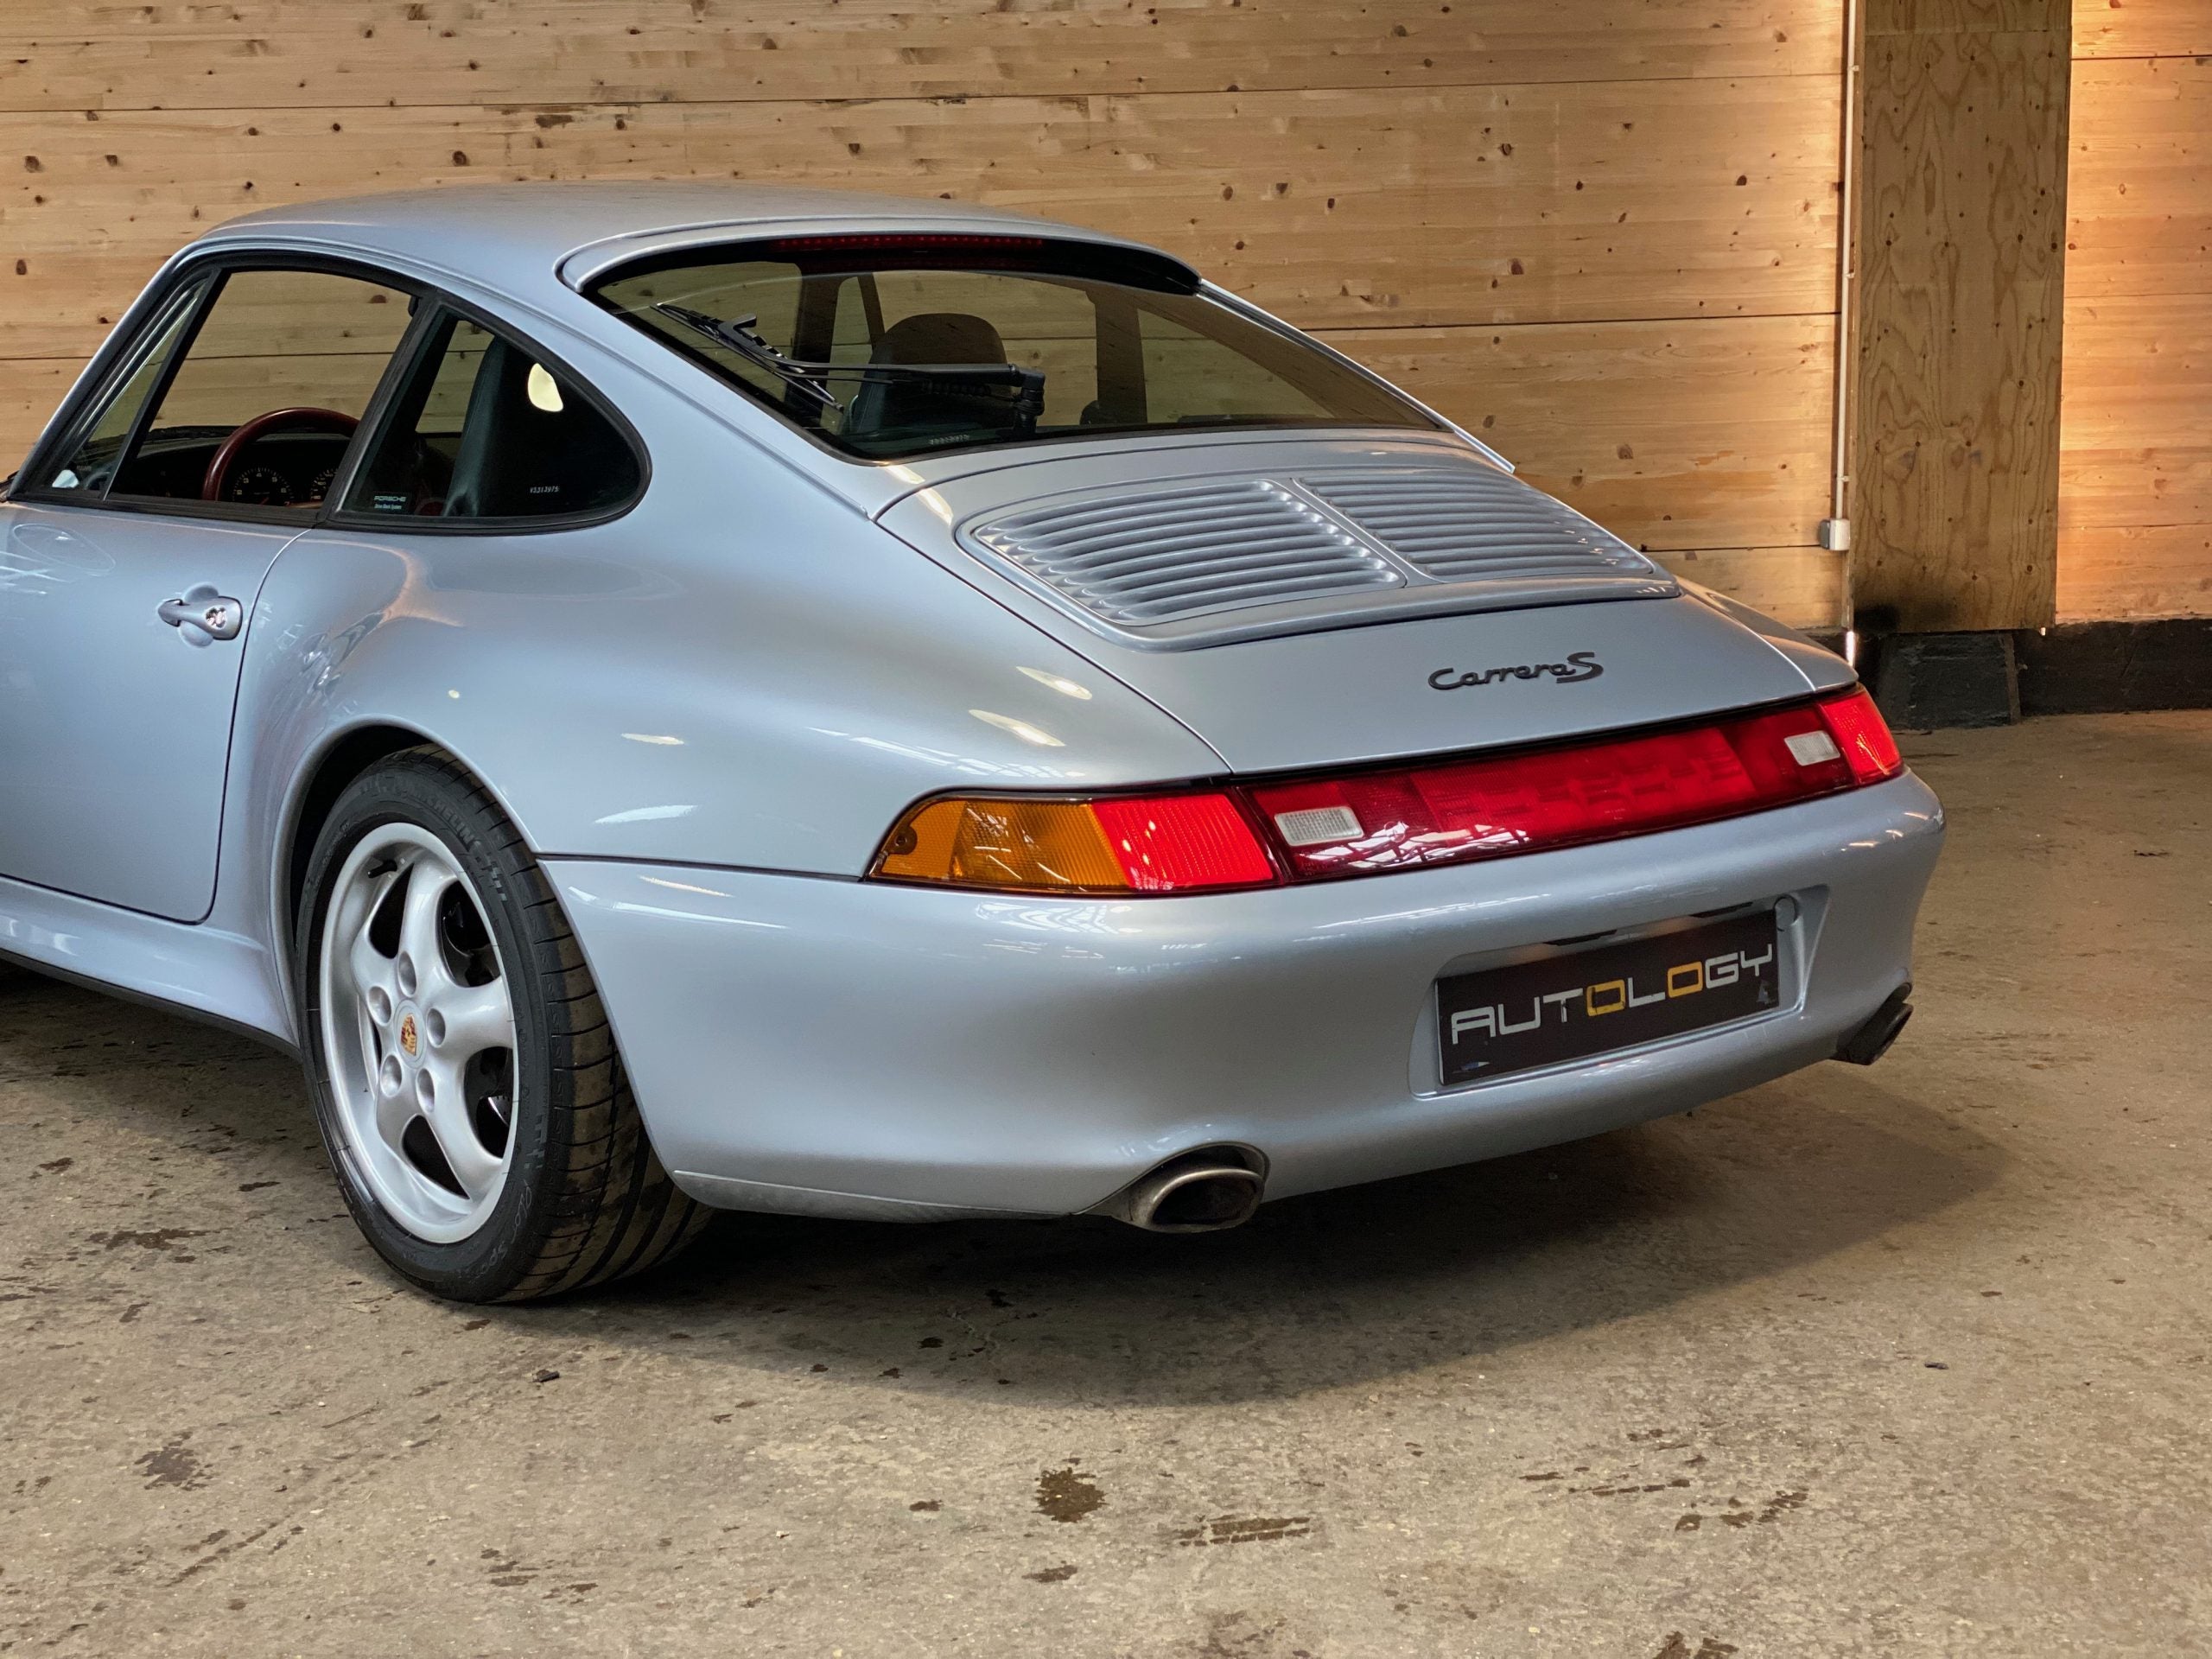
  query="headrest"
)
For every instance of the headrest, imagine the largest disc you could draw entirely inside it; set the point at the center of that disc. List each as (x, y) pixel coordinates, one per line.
(940, 337)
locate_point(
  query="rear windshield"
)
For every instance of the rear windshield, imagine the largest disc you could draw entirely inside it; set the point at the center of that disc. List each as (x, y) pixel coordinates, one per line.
(890, 346)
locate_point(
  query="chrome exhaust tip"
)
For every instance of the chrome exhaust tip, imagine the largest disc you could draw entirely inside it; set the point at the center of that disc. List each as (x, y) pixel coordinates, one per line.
(1202, 1191)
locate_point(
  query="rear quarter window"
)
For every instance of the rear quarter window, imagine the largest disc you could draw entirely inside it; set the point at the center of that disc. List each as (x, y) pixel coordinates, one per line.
(483, 429)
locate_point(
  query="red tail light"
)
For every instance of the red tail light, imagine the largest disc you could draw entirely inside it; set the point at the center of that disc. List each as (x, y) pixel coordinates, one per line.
(1183, 841)
(1363, 822)
(1590, 791)
(1857, 725)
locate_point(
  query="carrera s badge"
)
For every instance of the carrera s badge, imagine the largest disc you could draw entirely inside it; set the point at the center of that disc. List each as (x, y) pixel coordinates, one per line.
(1579, 665)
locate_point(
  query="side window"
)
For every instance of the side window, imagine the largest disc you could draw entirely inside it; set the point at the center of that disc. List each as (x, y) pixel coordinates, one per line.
(483, 429)
(96, 449)
(272, 384)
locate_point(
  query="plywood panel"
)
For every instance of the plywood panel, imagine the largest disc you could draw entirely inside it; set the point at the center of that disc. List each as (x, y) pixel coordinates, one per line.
(2135, 504)
(2139, 571)
(265, 54)
(2137, 433)
(1802, 587)
(29, 393)
(2139, 185)
(1671, 435)
(1961, 260)
(1499, 203)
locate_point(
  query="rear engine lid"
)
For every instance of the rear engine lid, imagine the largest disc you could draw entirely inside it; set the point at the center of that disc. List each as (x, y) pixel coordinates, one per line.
(1324, 603)
(1431, 686)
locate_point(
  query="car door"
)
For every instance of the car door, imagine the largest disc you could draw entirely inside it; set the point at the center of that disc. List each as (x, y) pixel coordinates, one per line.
(131, 552)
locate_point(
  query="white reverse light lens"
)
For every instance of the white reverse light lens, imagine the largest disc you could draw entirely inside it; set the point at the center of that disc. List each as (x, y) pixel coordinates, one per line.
(1811, 748)
(1315, 826)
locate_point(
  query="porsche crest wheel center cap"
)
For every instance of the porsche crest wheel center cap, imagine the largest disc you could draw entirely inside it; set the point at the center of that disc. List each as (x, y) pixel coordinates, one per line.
(409, 1042)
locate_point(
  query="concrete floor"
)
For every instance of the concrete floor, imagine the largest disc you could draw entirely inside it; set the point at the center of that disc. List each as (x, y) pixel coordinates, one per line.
(1908, 1360)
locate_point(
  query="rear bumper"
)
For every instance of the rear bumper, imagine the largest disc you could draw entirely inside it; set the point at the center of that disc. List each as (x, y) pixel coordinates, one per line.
(835, 1047)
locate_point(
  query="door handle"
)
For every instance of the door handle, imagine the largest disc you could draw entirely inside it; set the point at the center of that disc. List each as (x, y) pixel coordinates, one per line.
(205, 610)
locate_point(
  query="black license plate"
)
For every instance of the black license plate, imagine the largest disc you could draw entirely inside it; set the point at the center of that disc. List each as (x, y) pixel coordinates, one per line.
(1586, 1003)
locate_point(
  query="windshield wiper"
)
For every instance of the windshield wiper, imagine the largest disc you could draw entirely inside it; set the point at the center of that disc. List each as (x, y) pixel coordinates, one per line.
(740, 335)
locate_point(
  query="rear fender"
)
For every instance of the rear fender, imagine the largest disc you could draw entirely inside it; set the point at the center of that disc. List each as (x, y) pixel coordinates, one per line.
(767, 690)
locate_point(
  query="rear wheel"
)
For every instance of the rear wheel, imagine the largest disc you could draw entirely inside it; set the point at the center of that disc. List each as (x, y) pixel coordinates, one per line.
(464, 1074)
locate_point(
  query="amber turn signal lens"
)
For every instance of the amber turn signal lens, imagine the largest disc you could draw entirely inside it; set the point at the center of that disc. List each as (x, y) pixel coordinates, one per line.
(1173, 843)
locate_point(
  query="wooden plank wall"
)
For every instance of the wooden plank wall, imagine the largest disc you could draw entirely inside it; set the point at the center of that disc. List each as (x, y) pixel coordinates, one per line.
(2135, 507)
(1599, 232)
(1960, 263)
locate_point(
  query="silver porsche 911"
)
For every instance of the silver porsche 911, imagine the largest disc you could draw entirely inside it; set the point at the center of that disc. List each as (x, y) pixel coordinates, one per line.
(671, 696)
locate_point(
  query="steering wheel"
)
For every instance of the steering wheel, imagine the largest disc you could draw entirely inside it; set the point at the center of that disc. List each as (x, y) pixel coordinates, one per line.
(225, 458)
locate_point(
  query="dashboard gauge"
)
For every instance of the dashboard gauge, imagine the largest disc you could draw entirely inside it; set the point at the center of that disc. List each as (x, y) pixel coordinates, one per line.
(319, 485)
(262, 486)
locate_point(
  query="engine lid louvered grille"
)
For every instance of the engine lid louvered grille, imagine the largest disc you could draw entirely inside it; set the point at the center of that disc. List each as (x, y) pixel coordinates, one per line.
(1200, 563)
(1176, 553)
(1472, 522)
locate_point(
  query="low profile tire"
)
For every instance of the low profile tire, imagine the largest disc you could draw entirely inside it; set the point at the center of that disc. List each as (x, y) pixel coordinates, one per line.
(464, 1077)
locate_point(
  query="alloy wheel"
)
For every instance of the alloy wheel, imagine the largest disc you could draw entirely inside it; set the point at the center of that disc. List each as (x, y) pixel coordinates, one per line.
(418, 1033)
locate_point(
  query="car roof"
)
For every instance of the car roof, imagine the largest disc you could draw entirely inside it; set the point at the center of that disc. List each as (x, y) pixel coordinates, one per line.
(520, 237)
